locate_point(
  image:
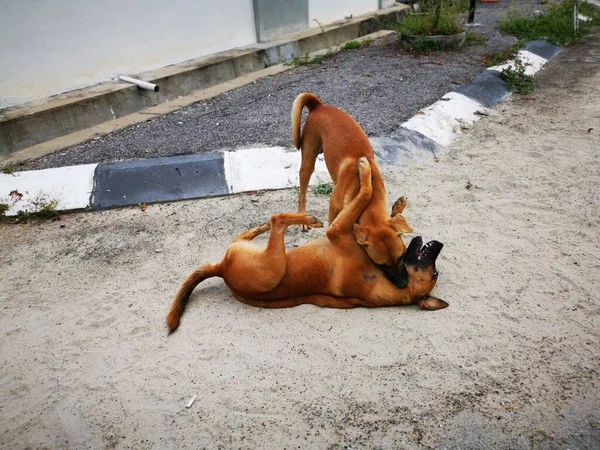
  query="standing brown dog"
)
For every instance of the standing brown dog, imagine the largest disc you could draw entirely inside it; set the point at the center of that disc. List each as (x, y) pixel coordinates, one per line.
(343, 142)
(332, 271)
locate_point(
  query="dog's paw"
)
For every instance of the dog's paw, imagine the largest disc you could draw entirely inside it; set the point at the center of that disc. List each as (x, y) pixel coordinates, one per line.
(315, 223)
(363, 163)
(399, 205)
(304, 228)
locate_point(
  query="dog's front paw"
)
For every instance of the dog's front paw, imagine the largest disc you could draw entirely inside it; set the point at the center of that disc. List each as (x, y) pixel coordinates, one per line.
(363, 163)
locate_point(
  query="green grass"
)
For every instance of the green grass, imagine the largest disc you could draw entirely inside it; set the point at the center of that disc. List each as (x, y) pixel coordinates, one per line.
(516, 79)
(323, 189)
(424, 25)
(9, 170)
(474, 39)
(355, 45)
(500, 57)
(305, 60)
(555, 25)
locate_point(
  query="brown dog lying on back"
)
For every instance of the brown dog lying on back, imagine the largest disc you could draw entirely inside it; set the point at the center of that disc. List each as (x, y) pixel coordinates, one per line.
(332, 271)
(343, 142)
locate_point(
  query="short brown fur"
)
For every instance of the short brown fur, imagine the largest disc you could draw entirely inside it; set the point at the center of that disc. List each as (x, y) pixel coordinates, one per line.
(342, 141)
(332, 272)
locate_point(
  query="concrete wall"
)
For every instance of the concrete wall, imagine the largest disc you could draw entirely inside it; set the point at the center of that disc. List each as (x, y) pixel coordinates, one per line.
(50, 46)
(327, 11)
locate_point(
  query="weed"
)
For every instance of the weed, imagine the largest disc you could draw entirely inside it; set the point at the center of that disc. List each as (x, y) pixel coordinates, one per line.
(9, 170)
(306, 60)
(44, 207)
(3, 208)
(447, 24)
(351, 45)
(355, 45)
(517, 80)
(555, 25)
(474, 39)
(497, 58)
(323, 189)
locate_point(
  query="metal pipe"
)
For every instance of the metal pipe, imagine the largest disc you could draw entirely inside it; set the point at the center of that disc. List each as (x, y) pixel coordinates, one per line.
(141, 84)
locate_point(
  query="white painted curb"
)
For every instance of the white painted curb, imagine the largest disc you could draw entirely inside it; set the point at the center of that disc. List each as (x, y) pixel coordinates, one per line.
(443, 120)
(61, 188)
(267, 168)
(532, 62)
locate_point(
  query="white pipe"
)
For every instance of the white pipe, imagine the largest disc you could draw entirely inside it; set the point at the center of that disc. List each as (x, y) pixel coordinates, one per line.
(140, 83)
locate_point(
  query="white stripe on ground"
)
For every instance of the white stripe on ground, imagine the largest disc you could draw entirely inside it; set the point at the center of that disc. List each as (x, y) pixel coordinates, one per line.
(59, 188)
(442, 121)
(267, 168)
(532, 62)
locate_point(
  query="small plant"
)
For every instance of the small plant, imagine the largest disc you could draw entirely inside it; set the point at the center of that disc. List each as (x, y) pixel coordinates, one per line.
(44, 207)
(351, 45)
(517, 80)
(355, 45)
(323, 189)
(9, 170)
(306, 60)
(474, 39)
(497, 58)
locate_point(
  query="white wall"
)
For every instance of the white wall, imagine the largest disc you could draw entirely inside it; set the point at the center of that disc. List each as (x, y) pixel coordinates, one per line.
(51, 46)
(327, 11)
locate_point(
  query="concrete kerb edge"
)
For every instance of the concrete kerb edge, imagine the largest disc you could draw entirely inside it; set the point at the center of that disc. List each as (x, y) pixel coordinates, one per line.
(110, 185)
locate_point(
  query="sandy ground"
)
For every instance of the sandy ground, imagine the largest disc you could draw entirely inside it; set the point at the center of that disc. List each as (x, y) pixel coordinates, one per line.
(85, 360)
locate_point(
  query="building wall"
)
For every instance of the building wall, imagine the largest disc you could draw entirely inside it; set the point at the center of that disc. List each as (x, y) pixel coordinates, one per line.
(327, 11)
(52, 46)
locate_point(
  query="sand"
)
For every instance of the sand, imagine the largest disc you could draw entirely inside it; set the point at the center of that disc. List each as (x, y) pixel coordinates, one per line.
(85, 360)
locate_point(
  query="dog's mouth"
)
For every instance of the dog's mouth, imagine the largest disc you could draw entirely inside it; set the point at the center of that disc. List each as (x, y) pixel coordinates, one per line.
(419, 255)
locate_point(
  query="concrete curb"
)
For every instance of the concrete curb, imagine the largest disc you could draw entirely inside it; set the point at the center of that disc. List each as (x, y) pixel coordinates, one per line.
(101, 186)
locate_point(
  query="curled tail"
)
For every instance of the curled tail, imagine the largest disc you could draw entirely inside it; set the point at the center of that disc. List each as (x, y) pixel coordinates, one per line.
(184, 292)
(311, 101)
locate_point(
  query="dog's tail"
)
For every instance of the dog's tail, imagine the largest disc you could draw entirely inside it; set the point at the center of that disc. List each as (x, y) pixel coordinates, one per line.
(311, 101)
(184, 292)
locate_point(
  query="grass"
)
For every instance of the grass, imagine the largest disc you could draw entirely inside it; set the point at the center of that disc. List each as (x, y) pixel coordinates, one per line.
(555, 25)
(425, 25)
(44, 208)
(305, 60)
(474, 39)
(517, 80)
(355, 45)
(9, 170)
(323, 189)
(497, 58)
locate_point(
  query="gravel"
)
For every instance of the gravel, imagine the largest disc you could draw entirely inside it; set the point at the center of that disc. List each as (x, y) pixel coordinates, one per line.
(381, 86)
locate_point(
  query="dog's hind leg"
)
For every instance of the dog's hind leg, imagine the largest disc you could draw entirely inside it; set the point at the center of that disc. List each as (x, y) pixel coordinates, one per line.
(311, 148)
(251, 269)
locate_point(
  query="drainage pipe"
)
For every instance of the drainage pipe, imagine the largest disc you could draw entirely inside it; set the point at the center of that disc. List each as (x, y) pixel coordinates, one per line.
(141, 84)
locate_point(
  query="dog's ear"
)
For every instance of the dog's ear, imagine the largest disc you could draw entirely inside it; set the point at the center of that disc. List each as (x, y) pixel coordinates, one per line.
(432, 303)
(361, 234)
(399, 206)
(400, 224)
